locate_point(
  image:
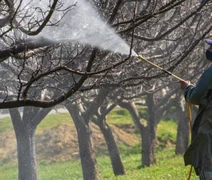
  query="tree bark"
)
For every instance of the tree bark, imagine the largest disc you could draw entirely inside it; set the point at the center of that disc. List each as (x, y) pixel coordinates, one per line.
(24, 131)
(148, 147)
(87, 156)
(118, 167)
(182, 130)
(88, 159)
(149, 135)
(27, 166)
(24, 128)
(145, 148)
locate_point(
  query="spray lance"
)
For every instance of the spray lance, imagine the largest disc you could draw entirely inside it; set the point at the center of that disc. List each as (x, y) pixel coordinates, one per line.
(179, 79)
(173, 75)
(155, 65)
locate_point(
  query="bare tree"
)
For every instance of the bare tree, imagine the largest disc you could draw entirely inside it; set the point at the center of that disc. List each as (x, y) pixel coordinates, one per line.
(130, 18)
(81, 116)
(164, 31)
(156, 106)
(25, 127)
(101, 121)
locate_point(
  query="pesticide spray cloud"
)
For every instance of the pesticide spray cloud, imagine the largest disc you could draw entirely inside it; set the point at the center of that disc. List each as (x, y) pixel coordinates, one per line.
(82, 24)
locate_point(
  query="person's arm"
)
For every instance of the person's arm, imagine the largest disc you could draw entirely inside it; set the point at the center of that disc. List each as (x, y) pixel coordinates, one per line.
(193, 94)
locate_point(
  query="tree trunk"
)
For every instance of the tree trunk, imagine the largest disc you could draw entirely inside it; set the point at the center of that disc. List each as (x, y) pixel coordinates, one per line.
(27, 167)
(148, 147)
(25, 127)
(118, 167)
(149, 135)
(87, 156)
(88, 159)
(145, 148)
(182, 130)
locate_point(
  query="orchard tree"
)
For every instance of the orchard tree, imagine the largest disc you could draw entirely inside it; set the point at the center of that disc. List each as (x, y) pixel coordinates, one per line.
(24, 127)
(167, 28)
(168, 44)
(81, 115)
(33, 62)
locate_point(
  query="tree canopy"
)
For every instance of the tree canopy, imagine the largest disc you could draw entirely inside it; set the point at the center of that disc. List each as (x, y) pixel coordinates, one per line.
(45, 59)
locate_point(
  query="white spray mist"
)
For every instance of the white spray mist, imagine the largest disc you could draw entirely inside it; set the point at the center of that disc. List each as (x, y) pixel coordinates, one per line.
(82, 24)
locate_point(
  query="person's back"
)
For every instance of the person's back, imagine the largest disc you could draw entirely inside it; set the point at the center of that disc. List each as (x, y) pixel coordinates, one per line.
(199, 153)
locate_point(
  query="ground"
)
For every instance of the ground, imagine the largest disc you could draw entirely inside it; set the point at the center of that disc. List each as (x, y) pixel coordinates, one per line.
(59, 143)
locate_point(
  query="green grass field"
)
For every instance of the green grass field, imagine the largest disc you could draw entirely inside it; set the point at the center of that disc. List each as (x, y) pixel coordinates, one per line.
(168, 167)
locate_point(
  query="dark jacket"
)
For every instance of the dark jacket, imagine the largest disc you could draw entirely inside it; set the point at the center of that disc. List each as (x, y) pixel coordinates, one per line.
(199, 153)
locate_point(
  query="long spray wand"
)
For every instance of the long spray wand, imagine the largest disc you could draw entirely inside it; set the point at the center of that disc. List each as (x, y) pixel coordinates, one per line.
(179, 79)
(176, 77)
(155, 65)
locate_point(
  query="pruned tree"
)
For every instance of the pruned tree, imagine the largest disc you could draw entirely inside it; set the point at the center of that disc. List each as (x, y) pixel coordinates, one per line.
(22, 25)
(156, 105)
(164, 31)
(24, 127)
(81, 116)
(100, 119)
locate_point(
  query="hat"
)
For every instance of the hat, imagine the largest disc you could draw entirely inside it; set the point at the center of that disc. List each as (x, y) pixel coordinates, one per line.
(209, 41)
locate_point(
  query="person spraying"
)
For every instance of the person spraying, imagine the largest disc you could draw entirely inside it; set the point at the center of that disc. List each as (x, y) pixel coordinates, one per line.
(199, 152)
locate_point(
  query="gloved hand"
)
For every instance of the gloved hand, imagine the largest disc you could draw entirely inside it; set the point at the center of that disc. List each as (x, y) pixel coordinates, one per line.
(184, 84)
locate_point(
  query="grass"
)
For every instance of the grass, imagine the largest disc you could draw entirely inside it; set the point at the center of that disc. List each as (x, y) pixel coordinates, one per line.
(166, 133)
(5, 124)
(119, 116)
(53, 120)
(60, 171)
(49, 121)
(169, 166)
(170, 125)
